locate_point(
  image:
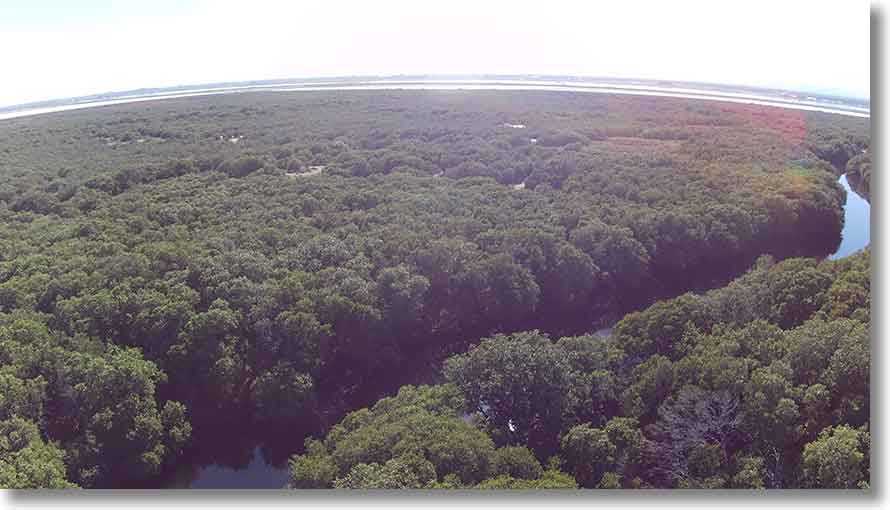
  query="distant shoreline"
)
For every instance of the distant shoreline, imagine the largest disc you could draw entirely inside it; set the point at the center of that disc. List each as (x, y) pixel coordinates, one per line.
(745, 95)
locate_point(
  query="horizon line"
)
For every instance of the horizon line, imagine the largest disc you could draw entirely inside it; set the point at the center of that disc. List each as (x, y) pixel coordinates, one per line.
(825, 93)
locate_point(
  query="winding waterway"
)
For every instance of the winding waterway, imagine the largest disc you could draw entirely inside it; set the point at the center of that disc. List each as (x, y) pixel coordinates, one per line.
(253, 470)
(259, 473)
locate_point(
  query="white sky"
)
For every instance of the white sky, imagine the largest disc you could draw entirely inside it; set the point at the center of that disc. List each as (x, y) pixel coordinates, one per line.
(62, 49)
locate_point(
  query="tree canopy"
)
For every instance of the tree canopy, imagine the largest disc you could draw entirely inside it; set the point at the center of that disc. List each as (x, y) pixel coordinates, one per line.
(258, 262)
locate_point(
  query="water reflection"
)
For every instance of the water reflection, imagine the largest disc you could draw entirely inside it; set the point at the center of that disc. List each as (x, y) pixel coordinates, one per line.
(236, 460)
(257, 473)
(856, 233)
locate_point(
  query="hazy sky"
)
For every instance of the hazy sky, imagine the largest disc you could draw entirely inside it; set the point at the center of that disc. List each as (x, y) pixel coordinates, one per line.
(54, 49)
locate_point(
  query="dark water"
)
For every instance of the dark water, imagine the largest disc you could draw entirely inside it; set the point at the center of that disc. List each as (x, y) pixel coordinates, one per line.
(856, 233)
(233, 457)
(239, 465)
(257, 474)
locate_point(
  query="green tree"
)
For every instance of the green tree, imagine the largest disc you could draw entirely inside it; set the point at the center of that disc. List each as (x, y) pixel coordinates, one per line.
(398, 473)
(420, 425)
(588, 454)
(26, 461)
(836, 459)
(314, 469)
(516, 462)
(751, 473)
(520, 383)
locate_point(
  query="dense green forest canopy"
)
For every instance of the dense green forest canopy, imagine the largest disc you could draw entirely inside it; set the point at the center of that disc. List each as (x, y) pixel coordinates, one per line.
(273, 260)
(759, 384)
